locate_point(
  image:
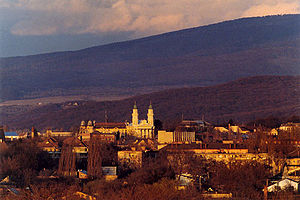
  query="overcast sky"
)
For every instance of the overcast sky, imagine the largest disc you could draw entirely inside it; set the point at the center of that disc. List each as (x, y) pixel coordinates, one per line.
(38, 26)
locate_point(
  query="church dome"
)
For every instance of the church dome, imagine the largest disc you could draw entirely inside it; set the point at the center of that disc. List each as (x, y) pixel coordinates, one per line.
(82, 123)
(90, 123)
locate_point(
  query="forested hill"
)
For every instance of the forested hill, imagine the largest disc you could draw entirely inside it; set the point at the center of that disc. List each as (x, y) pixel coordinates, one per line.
(200, 56)
(242, 100)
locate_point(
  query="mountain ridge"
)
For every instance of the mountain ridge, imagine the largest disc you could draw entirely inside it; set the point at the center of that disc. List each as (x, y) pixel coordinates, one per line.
(242, 100)
(219, 53)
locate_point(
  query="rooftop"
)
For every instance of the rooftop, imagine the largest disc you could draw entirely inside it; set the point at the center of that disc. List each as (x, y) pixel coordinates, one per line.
(11, 134)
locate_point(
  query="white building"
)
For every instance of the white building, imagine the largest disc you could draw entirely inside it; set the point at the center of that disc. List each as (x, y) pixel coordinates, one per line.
(284, 184)
(141, 128)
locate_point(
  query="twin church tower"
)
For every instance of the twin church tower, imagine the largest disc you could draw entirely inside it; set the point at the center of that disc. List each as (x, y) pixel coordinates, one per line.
(142, 128)
(137, 128)
(135, 115)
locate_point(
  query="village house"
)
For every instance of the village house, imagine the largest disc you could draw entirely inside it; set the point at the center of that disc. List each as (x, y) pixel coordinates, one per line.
(165, 137)
(50, 133)
(105, 137)
(51, 146)
(134, 153)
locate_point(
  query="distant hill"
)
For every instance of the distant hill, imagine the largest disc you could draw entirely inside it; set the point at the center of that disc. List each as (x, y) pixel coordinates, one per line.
(242, 100)
(201, 56)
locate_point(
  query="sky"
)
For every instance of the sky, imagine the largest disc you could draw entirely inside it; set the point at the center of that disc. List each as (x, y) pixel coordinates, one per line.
(39, 26)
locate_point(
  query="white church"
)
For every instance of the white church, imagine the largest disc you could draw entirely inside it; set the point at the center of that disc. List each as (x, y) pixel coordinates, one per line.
(141, 128)
(138, 128)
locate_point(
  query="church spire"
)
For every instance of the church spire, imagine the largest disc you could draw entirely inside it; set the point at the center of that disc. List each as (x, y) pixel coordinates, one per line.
(150, 115)
(135, 115)
(150, 106)
(134, 106)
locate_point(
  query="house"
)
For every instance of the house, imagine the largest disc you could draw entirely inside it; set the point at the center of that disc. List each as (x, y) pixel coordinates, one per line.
(221, 129)
(79, 146)
(292, 166)
(109, 173)
(176, 137)
(11, 136)
(143, 144)
(51, 133)
(106, 129)
(51, 146)
(109, 127)
(284, 184)
(289, 126)
(130, 158)
(82, 174)
(165, 137)
(237, 130)
(105, 137)
(273, 132)
(185, 180)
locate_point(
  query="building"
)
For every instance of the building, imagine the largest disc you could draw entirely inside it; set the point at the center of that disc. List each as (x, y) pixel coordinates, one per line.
(165, 137)
(130, 158)
(193, 126)
(141, 128)
(284, 184)
(86, 128)
(50, 133)
(11, 136)
(51, 146)
(289, 126)
(109, 173)
(291, 167)
(184, 136)
(108, 127)
(105, 137)
(218, 152)
(138, 128)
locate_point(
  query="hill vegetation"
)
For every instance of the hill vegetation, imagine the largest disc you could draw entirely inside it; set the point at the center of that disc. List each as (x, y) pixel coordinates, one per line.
(243, 100)
(200, 56)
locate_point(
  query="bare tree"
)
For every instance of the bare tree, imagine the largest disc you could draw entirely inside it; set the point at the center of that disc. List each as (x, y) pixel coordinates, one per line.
(67, 161)
(94, 159)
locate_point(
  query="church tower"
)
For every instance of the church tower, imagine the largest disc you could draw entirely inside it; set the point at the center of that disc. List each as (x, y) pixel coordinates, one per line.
(150, 115)
(135, 115)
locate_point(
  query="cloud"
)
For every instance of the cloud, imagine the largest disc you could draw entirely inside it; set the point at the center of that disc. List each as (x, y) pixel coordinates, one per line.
(272, 7)
(50, 17)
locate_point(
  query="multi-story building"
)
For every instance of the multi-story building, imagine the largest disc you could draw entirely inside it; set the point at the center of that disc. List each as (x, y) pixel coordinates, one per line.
(141, 128)
(138, 128)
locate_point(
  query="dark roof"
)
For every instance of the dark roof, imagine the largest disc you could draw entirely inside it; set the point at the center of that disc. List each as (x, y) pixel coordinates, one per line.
(204, 146)
(110, 125)
(10, 134)
(74, 142)
(49, 142)
(294, 154)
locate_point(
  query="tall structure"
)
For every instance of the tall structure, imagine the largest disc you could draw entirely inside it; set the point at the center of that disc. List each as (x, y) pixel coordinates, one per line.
(135, 115)
(138, 128)
(150, 115)
(142, 128)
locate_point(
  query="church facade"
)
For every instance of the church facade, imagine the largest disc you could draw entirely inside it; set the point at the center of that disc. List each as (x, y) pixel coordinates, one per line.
(139, 128)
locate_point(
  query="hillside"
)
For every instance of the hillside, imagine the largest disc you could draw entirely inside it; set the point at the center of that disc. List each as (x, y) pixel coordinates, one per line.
(242, 100)
(200, 56)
